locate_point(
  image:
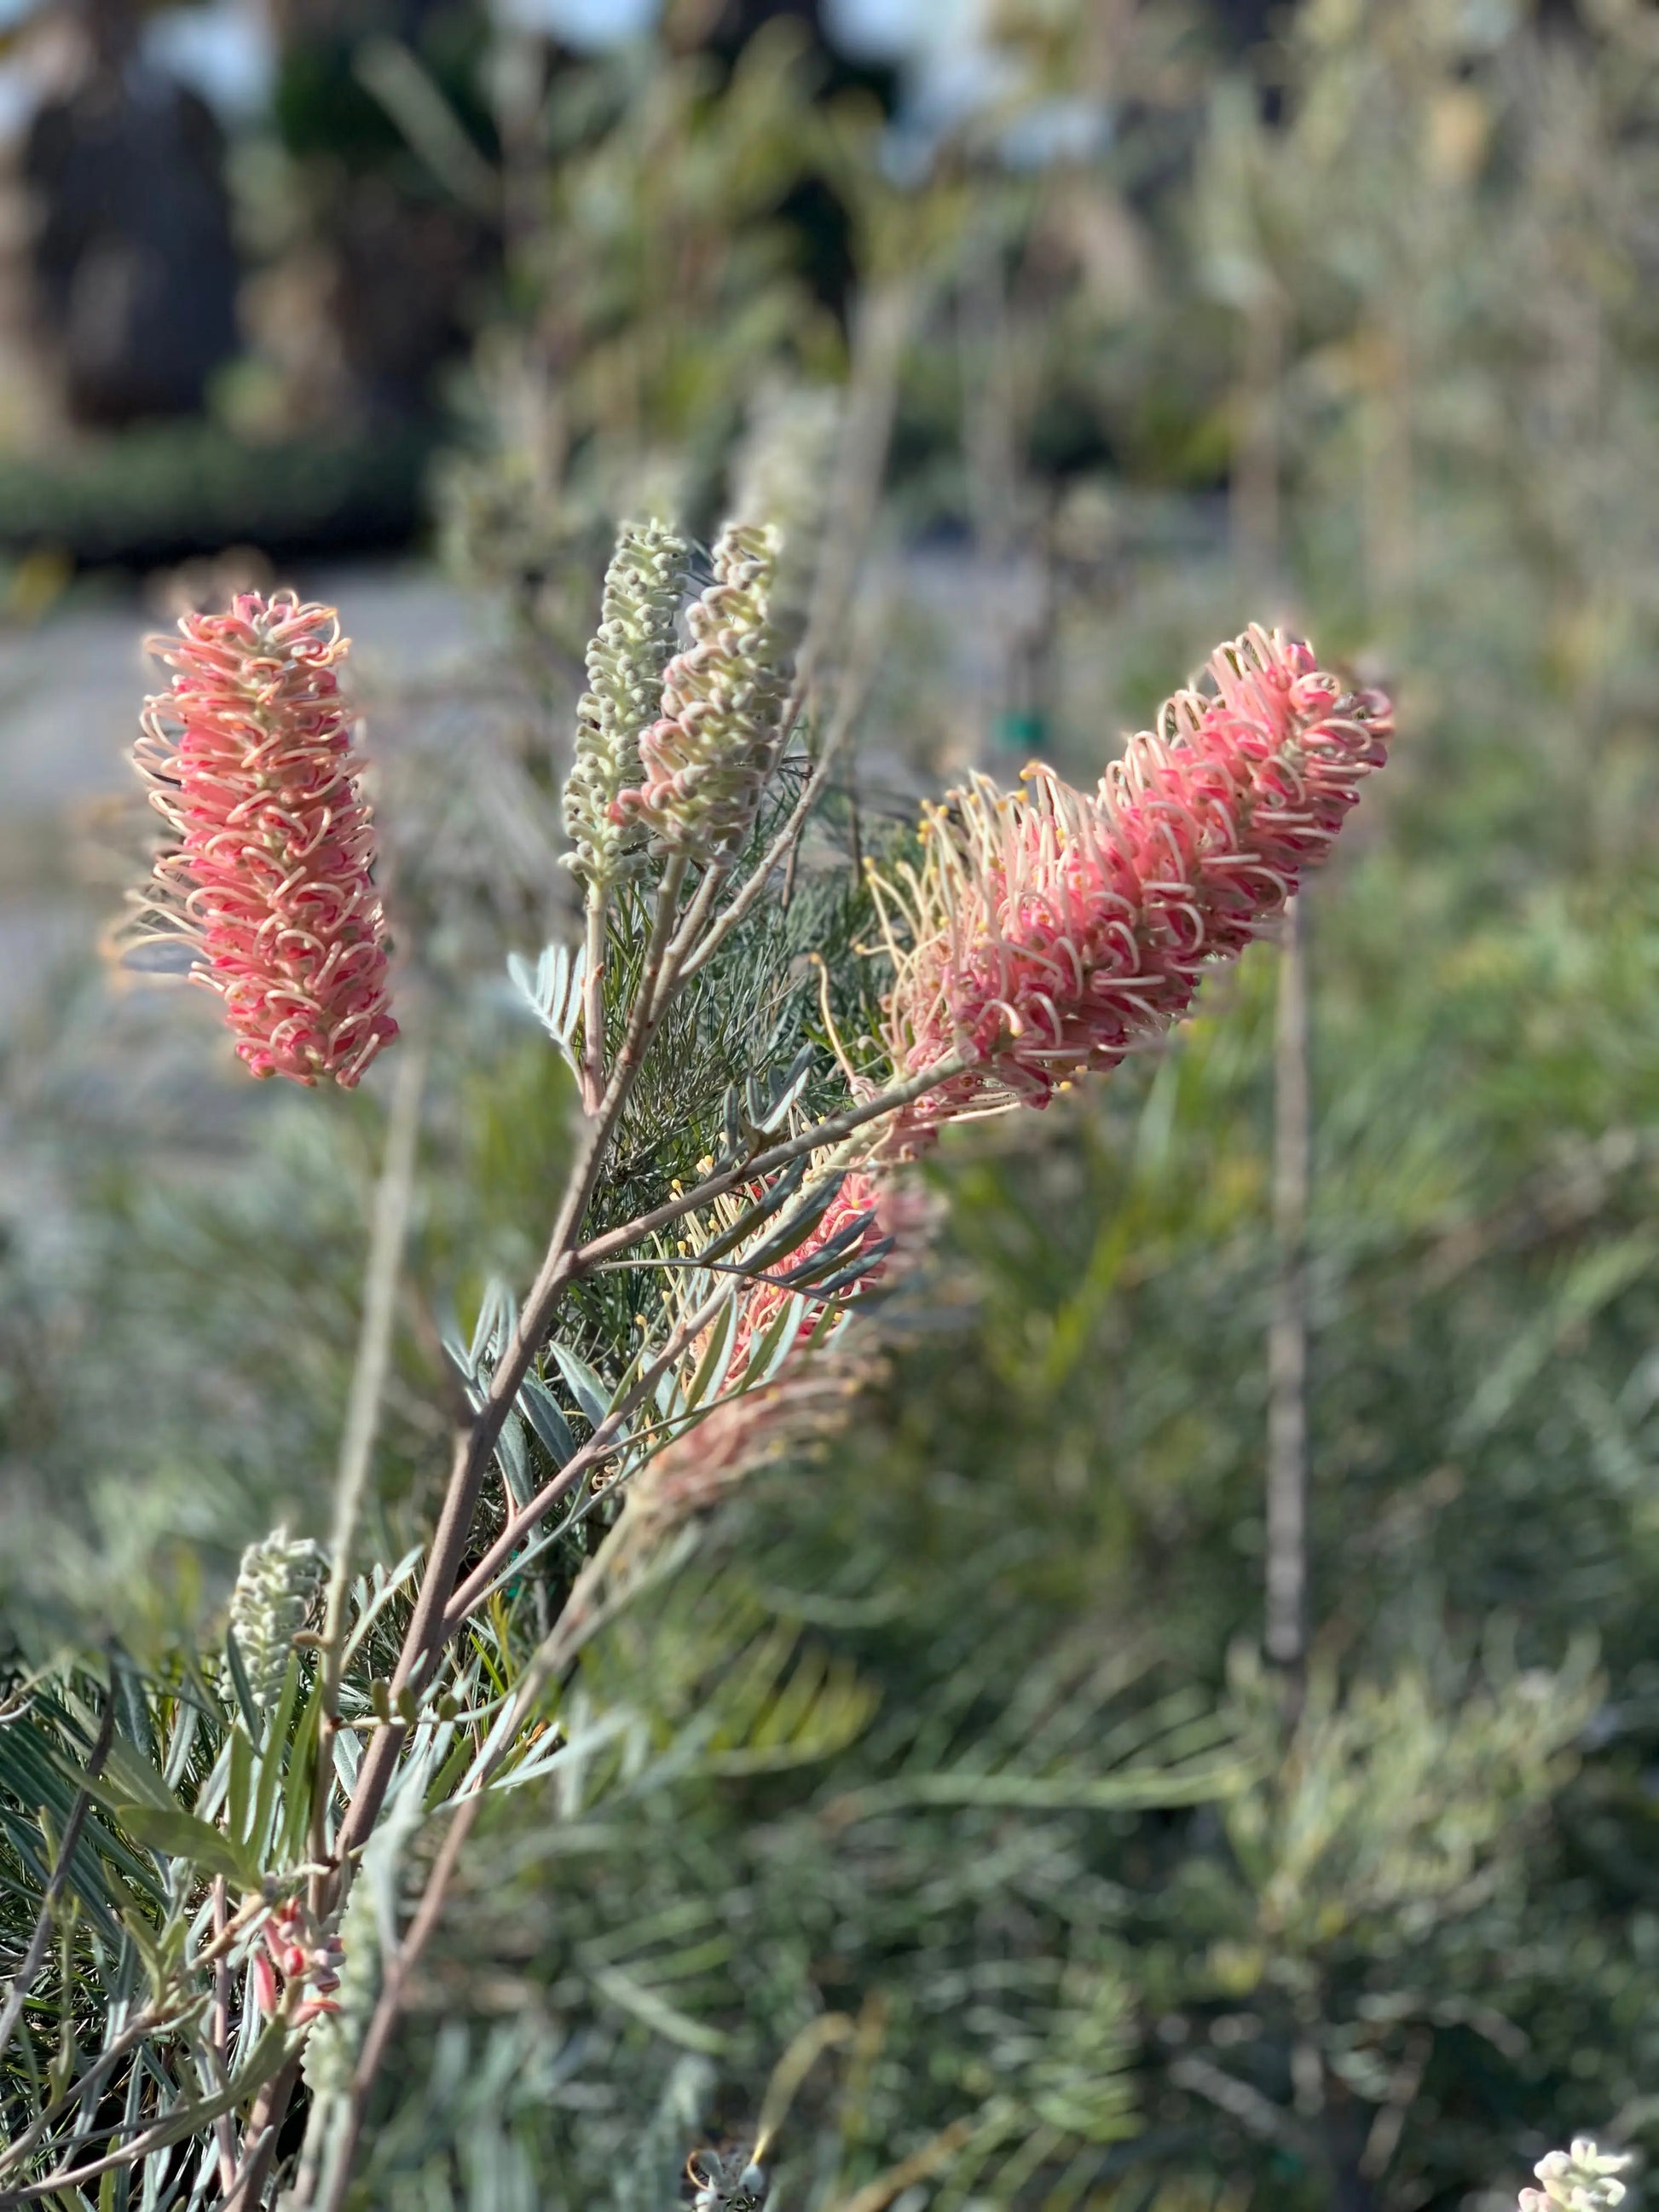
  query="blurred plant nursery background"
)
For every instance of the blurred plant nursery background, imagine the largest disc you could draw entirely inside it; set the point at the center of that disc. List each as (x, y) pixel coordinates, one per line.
(1230, 1778)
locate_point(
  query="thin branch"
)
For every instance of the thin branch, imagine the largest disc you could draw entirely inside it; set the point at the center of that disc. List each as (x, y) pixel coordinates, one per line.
(223, 2128)
(259, 2139)
(592, 1063)
(598, 1447)
(678, 966)
(1287, 1341)
(392, 1198)
(879, 353)
(389, 2003)
(587, 1257)
(657, 980)
(475, 1444)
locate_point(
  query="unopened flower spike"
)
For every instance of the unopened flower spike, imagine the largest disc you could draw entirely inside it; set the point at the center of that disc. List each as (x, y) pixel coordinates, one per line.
(631, 649)
(1046, 930)
(332, 2051)
(270, 881)
(702, 765)
(275, 1587)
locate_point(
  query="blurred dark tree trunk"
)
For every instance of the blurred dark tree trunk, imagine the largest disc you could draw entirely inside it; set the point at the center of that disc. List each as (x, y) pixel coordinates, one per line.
(135, 270)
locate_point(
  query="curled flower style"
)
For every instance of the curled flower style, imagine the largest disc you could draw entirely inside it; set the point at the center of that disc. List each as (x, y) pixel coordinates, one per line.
(1047, 930)
(702, 765)
(271, 880)
(626, 662)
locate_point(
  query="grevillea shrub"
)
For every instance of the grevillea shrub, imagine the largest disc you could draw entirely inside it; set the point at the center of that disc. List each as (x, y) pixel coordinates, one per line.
(699, 1307)
(269, 876)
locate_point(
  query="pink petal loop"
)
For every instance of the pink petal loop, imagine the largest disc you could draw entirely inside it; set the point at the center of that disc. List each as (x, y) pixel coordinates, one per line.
(271, 879)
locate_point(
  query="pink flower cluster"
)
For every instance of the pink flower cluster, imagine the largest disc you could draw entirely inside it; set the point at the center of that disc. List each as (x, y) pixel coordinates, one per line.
(1046, 929)
(802, 1403)
(305, 1961)
(805, 1398)
(762, 1301)
(248, 758)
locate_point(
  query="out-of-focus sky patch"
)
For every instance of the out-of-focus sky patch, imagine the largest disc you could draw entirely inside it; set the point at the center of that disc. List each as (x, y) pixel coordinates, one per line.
(888, 30)
(225, 51)
(869, 30)
(587, 24)
(874, 30)
(948, 71)
(17, 97)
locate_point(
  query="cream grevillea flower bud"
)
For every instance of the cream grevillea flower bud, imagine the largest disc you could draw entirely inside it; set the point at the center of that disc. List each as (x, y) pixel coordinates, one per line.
(1582, 2179)
(1046, 929)
(276, 1587)
(271, 879)
(631, 649)
(702, 765)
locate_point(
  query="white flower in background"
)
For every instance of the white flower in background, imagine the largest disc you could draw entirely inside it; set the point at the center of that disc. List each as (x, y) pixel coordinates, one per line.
(1582, 2179)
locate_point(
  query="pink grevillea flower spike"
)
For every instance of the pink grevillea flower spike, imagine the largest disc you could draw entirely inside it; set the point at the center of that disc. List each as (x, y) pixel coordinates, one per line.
(269, 882)
(1047, 930)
